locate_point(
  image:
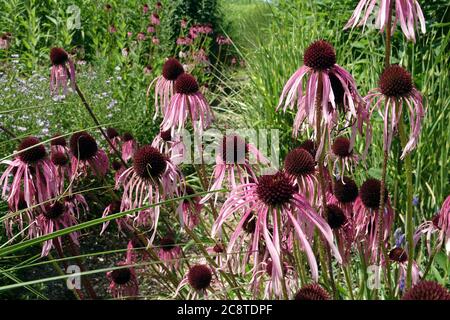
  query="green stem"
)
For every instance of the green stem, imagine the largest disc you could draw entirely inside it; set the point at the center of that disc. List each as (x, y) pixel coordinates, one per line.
(363, 269)
(348, 281)
(321, 169)
(299, 262)
(8, 132)
(283, 280)
(381, 246)
(387, 62)
(330, 271)
(91, 113)
(61, 273)
(409, 205)
(74, 252)
(387, 55)
(430, 262)
(323, 264)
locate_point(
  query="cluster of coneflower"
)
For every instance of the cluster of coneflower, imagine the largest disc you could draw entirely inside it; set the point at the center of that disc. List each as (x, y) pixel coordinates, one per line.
(193, 41)
(291, 232)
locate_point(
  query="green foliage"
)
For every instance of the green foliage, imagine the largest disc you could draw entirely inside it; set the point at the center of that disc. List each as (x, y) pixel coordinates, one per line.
(37, 26)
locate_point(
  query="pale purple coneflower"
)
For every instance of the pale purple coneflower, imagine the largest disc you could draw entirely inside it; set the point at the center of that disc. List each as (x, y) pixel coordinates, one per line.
(158, 5)
(199, 278)
(233, 164)
(129, 146)
(299, 164)
(114, 137)
(344, 193)
(190, 208)
(396, 91)
(152, 178)
(366, 218)
(275, 198)
(20, 216)
(184, 41)
(31, 172)
(154, 19)
(193, 32)
(198, 29)
(246, 246)
(440, 225)
(60, 73)
(60, 156)
(338, 91)
(201, 57)
(75, 203)
(312, 292)
(119, 168)
(343, 156)
(123, 282)
(204, 28)
(155, 40)
(86, 154)
(169, 252)
(220, 256)
(58, 143)
(145, 8)
(62, 169)
(407, 13)
(343, 229)
(187, 101)
(148, 69)
(172, 69)
(5, 40)
(399, 257)
(140, 36)
(112, 29)
(150, 29)
(135, 250)
(272, 286)
(54, 216)
(124, 223)
(183, 23)
(170, 144)
(427, 290)
(223, 40)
